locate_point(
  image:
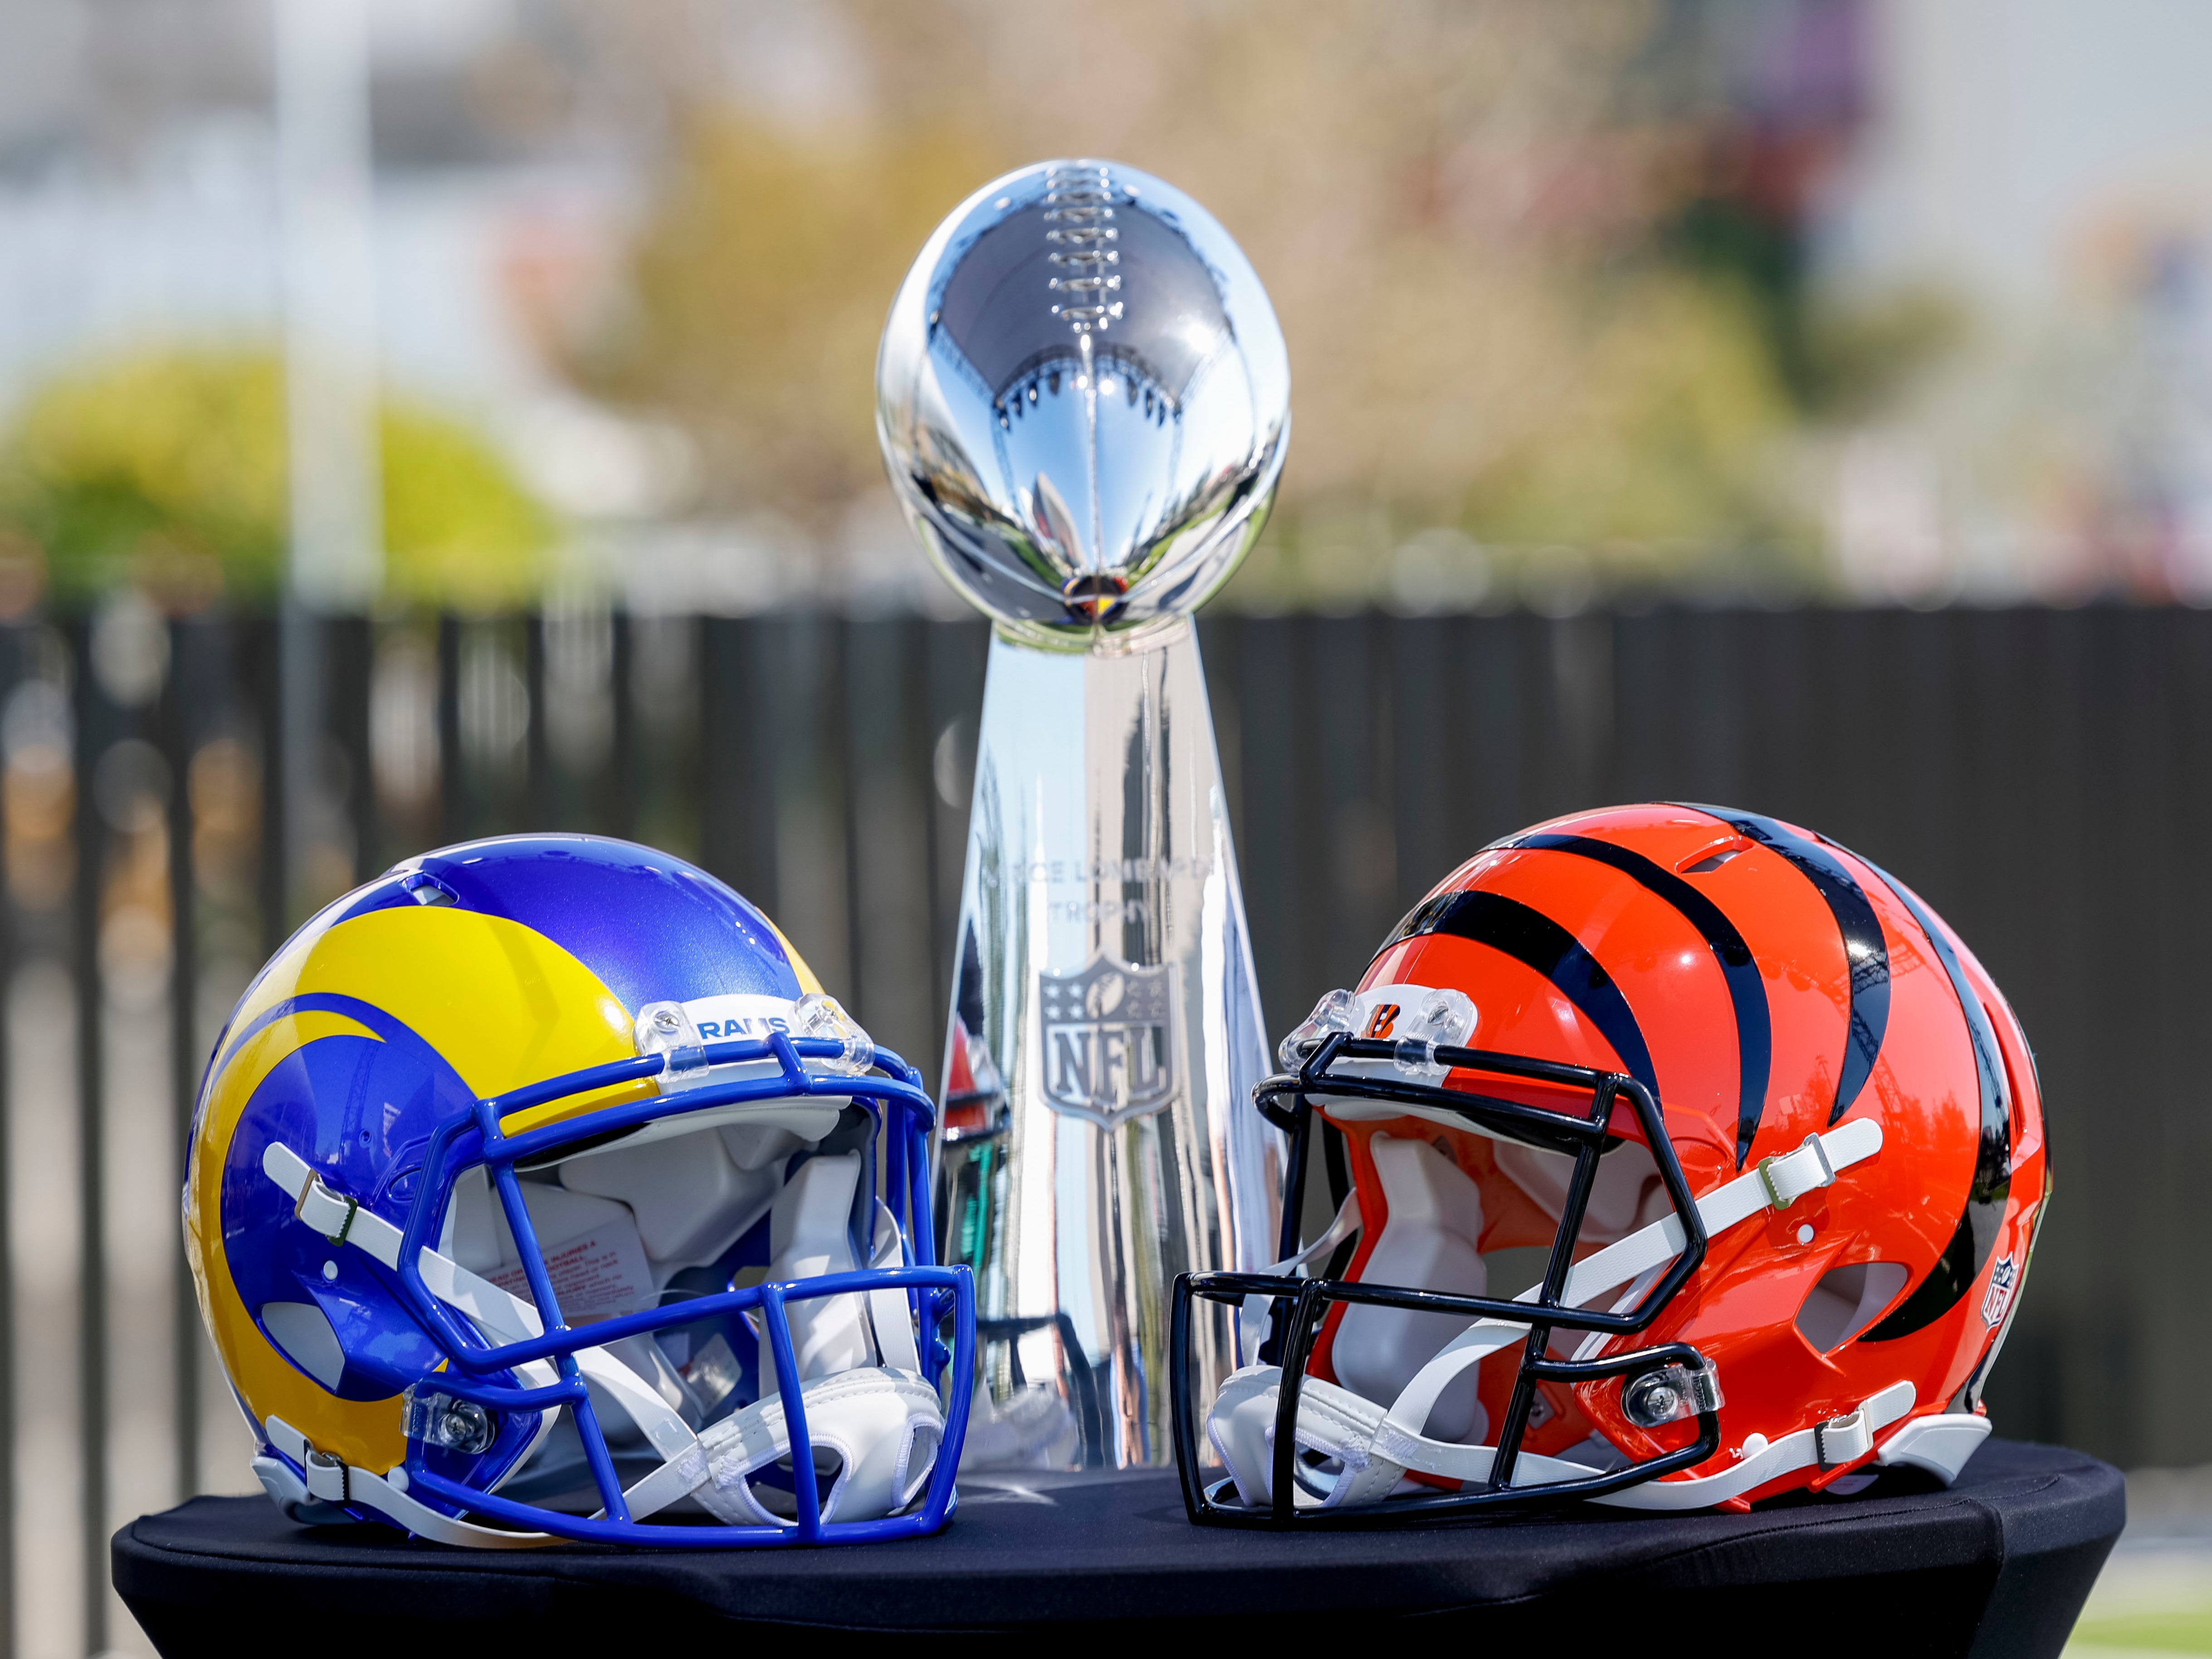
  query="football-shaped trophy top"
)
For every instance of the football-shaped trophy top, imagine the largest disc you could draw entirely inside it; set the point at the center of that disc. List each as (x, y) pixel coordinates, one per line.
(1084, 401)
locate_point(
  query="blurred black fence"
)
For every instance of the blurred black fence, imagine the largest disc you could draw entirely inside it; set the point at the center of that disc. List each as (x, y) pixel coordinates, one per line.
(2038, 775)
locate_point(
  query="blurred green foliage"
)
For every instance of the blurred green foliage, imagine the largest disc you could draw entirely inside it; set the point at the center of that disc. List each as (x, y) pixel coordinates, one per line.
(1546, 290)
(167, 470)
(756, 290)
(1537, 294)
(1665, 438)
(1838, 356)
(2187, 1631)
(459, 528)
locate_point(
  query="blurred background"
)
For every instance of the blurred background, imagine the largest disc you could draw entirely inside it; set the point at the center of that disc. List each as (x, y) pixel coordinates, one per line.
(441, 416)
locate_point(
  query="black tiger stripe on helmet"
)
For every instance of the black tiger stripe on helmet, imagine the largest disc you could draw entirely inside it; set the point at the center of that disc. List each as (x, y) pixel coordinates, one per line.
(1550, 949)
(1532, 938)
(1747, 993)
(1866, 952)
(1980, 1221)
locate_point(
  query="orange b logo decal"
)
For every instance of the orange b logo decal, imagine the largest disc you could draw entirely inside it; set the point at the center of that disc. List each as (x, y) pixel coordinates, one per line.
(1381, 1022)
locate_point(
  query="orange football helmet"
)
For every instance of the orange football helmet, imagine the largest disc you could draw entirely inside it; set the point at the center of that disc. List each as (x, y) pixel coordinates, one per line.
(1761, 1129)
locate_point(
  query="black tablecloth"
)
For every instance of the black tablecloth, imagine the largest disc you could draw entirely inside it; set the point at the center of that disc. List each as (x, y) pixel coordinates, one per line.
(1998, 1564)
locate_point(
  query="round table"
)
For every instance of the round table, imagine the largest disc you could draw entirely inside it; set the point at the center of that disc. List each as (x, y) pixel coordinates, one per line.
(1998, 1564)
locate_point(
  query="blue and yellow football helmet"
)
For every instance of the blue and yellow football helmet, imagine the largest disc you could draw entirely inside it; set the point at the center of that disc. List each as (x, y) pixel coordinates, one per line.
(536, 1188)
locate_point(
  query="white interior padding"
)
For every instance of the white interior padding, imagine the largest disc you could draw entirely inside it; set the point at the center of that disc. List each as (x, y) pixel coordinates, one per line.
(476, 1234)
(1626, 1195)
(810, 1234)
(1241, 1426)
(691, 1201)
(686, 1198)
(644, 1358)
(764, 1145)
(1428, 1243)
(690, 1196)
(890, 1312)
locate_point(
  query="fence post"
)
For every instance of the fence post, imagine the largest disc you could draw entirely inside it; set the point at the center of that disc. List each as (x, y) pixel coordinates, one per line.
(92, 1152)
(350, 666)
(11, 658)
(538, 759)
(955, 655)
(737, 765)
(178, 701)
(452, 807)
(837, 727)
(268, 708)
(622, 763)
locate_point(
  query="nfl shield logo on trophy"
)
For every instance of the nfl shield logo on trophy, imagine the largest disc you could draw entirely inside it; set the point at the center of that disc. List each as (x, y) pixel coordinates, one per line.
(1109, 1047)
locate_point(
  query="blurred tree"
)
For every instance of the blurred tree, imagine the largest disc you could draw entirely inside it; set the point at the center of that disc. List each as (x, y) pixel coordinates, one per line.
(757, 289)
(1471, 217)
(167, 470)
(1665, 437)
(459, 528)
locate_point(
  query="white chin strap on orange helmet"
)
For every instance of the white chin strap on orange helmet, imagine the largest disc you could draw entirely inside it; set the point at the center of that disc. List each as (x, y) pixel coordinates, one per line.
(1354, 1451)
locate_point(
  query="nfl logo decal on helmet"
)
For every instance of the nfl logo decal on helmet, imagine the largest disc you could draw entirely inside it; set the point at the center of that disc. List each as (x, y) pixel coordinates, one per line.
(538, 1192)
(1761, 1130)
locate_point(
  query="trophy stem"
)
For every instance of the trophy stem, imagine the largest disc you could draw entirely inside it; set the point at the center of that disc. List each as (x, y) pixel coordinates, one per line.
(1099, 1135)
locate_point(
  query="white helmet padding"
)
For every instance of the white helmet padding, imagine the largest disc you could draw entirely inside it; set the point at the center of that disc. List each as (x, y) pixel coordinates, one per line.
(877, 1425)
(874, 1423)
(1625, 1194)
(1428, 1243)
(691, 1199)
(1354, 1448)
(810, 1234)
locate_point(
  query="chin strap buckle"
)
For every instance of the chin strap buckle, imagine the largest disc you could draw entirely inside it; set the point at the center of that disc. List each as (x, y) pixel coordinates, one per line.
(327, 1477)
(345, 1227)
(1841, 1440)
(329, 1214)
(1788, 1178)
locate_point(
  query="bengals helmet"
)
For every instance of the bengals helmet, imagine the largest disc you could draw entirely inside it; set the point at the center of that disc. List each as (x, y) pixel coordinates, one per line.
(1757, 1134)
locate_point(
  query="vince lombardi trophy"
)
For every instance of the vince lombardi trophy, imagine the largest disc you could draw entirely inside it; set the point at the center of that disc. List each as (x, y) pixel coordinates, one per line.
(1084, 402)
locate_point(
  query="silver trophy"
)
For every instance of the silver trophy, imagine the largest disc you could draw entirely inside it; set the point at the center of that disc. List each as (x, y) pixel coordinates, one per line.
(1084, 401)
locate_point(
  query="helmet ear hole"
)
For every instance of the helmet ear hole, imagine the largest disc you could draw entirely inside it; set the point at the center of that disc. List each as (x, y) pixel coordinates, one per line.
(1845, 1301)
(303, 1333)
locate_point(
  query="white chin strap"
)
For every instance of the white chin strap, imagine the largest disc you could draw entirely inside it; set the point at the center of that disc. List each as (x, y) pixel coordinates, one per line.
(1257, 1317)
(1367, 1452)
(884, 1424)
